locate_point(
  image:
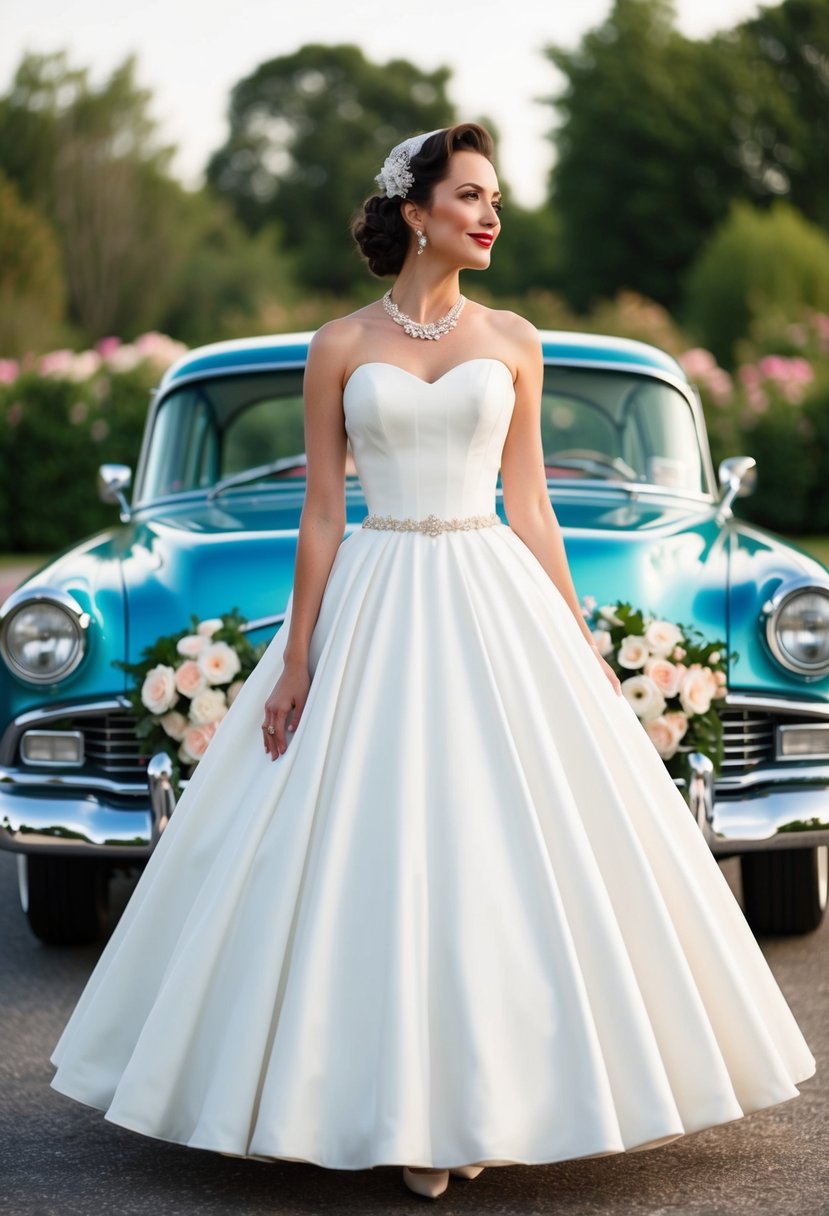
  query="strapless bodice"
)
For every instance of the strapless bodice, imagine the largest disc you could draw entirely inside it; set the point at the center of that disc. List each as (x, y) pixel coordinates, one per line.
(424, 448)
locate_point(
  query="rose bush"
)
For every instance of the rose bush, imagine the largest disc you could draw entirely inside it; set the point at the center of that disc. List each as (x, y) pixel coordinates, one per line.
(184, 685)
(671, 676)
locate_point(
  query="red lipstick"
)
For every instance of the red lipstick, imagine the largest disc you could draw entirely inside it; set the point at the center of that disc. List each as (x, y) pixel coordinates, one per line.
(484, 239)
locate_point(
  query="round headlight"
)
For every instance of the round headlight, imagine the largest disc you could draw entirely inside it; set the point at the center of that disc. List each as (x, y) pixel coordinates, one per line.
(797, 628)
(43, 634)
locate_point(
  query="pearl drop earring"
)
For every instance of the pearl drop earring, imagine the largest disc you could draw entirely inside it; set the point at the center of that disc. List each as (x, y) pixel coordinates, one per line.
(422, 242)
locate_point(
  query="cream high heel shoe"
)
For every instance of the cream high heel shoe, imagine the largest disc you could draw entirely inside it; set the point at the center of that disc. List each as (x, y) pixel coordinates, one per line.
(430, 1185)
(466, 1171)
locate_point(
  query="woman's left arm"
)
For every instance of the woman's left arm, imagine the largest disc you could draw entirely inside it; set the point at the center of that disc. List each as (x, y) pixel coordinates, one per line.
(524, 480)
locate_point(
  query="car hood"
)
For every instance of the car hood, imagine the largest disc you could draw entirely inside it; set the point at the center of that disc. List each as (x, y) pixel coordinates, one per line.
(207, 559)
(666, 557)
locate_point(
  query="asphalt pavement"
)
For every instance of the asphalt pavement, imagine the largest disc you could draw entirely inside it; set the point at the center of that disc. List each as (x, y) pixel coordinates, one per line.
(60, 1158)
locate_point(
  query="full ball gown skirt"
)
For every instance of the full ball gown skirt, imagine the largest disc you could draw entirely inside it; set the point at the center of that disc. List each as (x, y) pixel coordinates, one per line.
(467, 916)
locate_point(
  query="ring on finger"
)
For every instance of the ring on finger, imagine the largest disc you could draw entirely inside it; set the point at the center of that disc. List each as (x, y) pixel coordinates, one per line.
(269, 729)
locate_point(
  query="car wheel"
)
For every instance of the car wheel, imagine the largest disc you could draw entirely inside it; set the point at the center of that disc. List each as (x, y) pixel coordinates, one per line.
(785, 891)
(65, 899)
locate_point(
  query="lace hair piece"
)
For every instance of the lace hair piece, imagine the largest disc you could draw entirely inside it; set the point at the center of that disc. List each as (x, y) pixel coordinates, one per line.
(396, 177)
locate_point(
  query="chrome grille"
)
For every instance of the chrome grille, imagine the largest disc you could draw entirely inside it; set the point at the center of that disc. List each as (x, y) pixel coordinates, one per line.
(748, 738)
(110, 743)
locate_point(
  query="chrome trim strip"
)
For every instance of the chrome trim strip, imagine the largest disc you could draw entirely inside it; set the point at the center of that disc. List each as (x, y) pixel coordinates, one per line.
(66, 782)
(780, 704)
(262, 622)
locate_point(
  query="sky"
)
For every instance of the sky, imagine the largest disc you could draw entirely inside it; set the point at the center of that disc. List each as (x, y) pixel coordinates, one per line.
(190, 53)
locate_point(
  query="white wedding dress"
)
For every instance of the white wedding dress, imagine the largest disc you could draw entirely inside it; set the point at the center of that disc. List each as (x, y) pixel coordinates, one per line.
(466, 917)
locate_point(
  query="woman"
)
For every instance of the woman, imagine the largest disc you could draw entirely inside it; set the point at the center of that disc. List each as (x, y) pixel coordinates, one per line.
(447, 909)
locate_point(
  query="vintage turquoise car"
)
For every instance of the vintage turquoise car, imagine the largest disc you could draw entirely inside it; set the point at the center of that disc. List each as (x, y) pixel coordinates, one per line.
(211, 525)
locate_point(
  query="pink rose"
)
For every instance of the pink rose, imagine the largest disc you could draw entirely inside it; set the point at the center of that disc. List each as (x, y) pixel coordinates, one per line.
(665, 675)
(219, 663)
(633, 652)
(662, 737)
(158, 692)
(678, 723)
(696, 692)
(189, 678)
(195, 742)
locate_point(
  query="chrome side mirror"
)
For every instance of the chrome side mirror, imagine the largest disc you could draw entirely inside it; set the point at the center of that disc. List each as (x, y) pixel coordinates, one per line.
(738, 479)
(113, 480)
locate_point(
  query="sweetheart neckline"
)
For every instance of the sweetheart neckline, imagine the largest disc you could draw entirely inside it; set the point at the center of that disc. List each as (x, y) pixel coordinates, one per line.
(428, 383)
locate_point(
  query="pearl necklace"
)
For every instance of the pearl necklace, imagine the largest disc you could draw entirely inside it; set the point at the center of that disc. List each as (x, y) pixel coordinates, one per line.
(431, 330)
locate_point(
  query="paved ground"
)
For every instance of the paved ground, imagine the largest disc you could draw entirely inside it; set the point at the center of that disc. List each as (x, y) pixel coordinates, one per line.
(59, 1158)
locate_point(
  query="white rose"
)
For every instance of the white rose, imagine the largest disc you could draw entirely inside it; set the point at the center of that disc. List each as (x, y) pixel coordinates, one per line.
(189, 678)
(662, 737)
(175, 724)
(696, 692)
(219, 663)
(191, 646)
(633, 652)
(207, 628)
(608, 613)
(662, 637)
(665, 675)
(208, 706)
(603, 640)
(588, 606)
(158, 692)
(644, 697)
(234, 690)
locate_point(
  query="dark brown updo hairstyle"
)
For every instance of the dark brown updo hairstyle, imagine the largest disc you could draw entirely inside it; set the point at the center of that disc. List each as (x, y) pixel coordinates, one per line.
(382, 235)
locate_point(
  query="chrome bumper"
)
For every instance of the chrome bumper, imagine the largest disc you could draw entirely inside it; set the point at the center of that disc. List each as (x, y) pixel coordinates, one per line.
(121, 822)
(779, 808)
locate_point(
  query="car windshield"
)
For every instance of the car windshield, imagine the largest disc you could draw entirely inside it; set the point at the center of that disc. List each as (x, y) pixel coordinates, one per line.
(596, 425)
(212, 430)
(619, 426)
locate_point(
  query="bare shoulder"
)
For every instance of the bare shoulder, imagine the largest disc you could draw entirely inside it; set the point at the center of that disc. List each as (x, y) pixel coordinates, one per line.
(333, 344)
(516, 336)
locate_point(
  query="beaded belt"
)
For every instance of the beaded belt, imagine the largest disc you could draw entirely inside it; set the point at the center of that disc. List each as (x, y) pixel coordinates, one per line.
(432, 525)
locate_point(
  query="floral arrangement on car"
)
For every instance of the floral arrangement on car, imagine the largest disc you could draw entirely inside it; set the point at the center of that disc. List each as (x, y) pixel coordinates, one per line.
(671, 676)
(184, 685)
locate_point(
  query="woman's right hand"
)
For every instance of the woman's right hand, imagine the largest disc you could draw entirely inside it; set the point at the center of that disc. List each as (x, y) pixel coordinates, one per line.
(287, 699)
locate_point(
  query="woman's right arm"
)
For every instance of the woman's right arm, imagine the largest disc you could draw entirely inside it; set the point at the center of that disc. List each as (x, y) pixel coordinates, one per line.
(321, 527)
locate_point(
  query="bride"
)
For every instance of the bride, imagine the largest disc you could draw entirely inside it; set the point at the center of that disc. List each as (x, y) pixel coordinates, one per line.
(439, 904)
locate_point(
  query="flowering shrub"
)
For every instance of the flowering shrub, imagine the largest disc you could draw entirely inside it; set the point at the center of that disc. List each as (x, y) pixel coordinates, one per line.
(671, 676)
(61, 416)
(185, 683)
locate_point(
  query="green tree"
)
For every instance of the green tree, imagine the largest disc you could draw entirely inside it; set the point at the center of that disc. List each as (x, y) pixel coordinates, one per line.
(88, 160)
(785, 49)
(659, 134)
(32, 286)
(757, 264)
(308, 132)
(644, 165)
